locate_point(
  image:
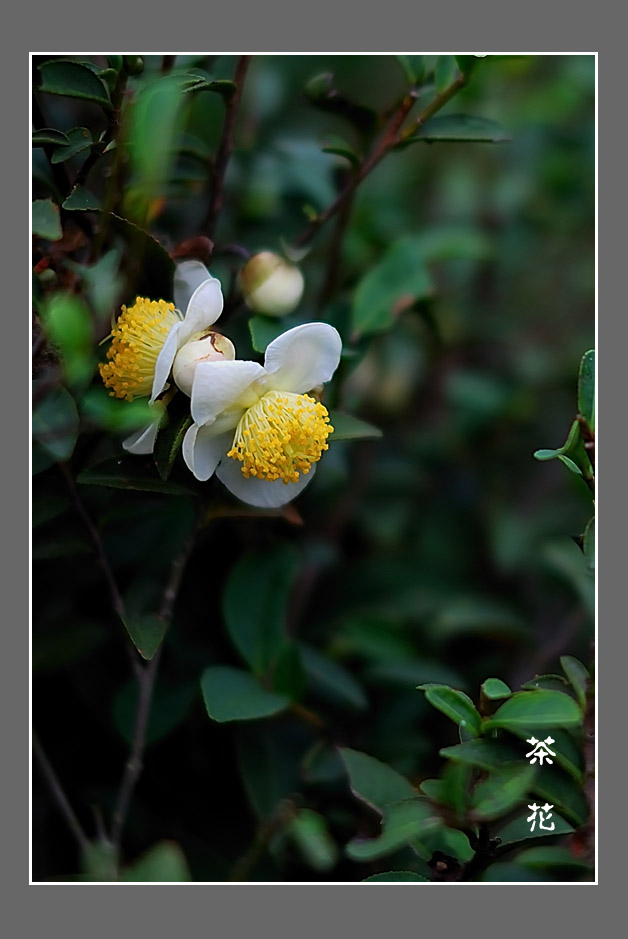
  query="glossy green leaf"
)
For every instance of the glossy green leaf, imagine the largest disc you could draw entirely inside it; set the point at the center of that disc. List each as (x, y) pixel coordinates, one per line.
(458, 128)
(537, 710)
(45, 220)
(146, 632)
(586, 388)
(455, 704)
(164, 863)
(445, 72)
(254, 604)
(331, 680)
(311, 836)
(395, 877)
(79, 139)
(48, 135)
(495, 688)
(82, 200)
(69, 327)
(348, 427)
(546, 683)
(562, 792)
(231, 694)
(129, 473)
(518, 829)
(578, 676)
(55, 422)
(73, 80)
(567, 752)
(403, 823)
(505, 788)
(399, 279)
(197, 79)
(375, 782)
(484, 753)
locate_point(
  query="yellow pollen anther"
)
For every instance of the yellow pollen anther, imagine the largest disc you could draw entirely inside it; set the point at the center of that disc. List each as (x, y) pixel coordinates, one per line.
(137, 340)
(281, 436)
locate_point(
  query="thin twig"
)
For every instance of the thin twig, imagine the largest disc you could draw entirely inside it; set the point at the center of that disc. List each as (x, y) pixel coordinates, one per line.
(146, 681)
(59, 795)
(226, 145)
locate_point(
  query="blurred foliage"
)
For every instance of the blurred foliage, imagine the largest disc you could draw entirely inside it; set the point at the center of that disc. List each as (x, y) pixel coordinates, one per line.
(286, 738)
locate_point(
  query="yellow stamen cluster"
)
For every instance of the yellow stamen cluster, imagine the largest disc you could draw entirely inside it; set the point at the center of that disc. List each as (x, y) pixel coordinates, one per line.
(281, 436)
(137, 339)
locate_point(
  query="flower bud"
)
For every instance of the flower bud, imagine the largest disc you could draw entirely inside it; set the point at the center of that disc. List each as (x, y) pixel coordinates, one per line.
(270, 284)
(206, 346)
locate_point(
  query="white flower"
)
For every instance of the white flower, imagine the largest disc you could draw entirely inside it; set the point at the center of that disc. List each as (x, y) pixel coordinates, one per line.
(254, 426)
(148, 336)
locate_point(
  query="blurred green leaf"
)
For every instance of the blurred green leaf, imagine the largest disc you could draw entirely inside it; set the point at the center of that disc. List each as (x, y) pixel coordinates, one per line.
(55, 422)
(396, 877)
(502, 791)
(339, 147)
(413, 67)
(82, 200)
(562, 792)
(375, 782)
(264, 329)
(483, 753)
(536, 710)
(268, 765)
(403, 823)
(467, 63)
(164, 863)
(578, 676)
(495, 688)
(347, 427)
(129, 473)
(172, 429)
(586, 388)
(588, 544)
(400, 278)
(79, 139)
(69, 328)
(48, 135)
(289, 676)
(447, 840)
(254, 604)
(550, 856)
(322, 94)
(102, 282)
(73, 80)
(311, 835)
(454, 704)
(197, 79)
(45, 220)
(445, 72)
(146, 632)
(458, 128)
(332, 680)
(231, 694)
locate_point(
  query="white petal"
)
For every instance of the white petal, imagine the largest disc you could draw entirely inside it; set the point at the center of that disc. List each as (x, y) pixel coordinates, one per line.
(142, 441)
(202, 450)
(165, 360)
(303, 357)
(187, 277)
(260, 492)
(223, 384)
(204, 308)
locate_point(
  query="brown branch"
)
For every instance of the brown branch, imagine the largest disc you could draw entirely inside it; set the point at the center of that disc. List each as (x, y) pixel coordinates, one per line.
(226, 145)
(59, 795)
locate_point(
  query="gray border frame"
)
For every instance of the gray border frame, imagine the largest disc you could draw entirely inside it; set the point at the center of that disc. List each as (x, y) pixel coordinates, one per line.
(488, 26)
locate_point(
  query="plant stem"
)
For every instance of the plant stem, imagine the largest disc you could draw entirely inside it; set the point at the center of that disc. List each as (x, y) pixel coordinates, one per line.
(59, 795)
(226, 145)
(282, 815)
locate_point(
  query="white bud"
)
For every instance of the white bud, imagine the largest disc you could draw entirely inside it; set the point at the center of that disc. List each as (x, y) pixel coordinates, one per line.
(206, 346)
(270, 284)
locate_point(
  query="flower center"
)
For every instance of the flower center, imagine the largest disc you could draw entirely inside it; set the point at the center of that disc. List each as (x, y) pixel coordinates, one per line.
(281, 436)
(137, 339)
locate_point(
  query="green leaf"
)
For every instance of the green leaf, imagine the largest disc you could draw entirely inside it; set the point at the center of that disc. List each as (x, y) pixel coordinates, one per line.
(81, 200)
(403, 823)
(588, 544)
(348, 427)
(467, 63)
(310, 834)
(536, 710)
(78, 140)
(99, 861)
(586, 388)
(198, 80)
(339, 147)
(445, 72)
(552, 856)
(484, 753)
(268, 766)
(331, 680)
(495, 688)
(48, 135)
(579, 678)
(458, 128)
(518, 829)
(69, 327)
(264, 329)
(396, 877)
(64, 77)
(146, 632)
(572, 453)
(231, 694)
(413, 67)
(322, 94)
(454, 704)
(55, 422)
(164, 863)
(170, 705)
(254, 604)
(564, 793)
(400, 278)
(447, 840)
(289, 676)
(129, 473)
(502, 791)
(375, 782)
(547, 683)
(45, 220)
(102, 283)
(567, 751)
(172, 429)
